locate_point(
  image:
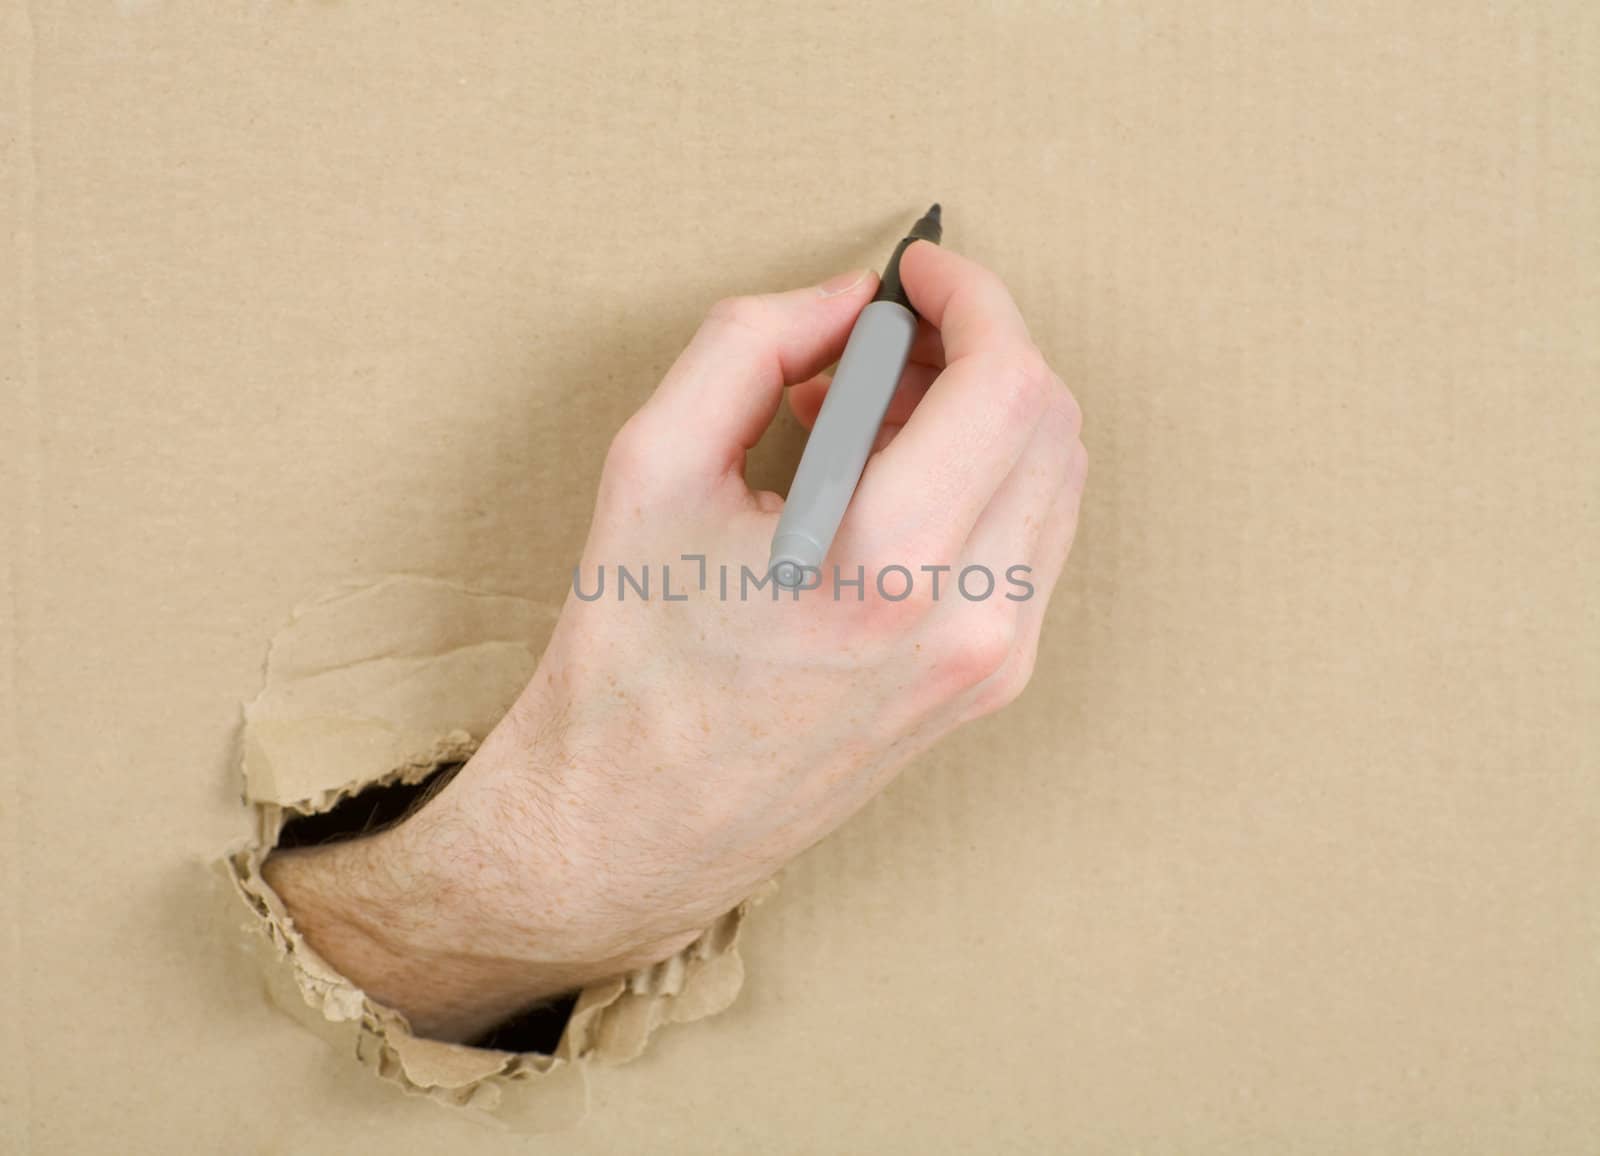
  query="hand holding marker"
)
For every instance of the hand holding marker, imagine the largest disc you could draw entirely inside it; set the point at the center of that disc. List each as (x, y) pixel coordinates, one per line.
(842, 438)
(609, 746)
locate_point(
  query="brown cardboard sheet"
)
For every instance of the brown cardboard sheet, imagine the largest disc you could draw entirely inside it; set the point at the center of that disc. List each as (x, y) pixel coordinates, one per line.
(1293, 845)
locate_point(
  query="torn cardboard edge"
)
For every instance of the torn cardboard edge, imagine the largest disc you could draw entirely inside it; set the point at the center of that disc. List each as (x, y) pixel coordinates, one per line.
(384, 684)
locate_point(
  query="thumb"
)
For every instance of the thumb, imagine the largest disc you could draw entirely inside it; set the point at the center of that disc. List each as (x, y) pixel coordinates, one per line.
(725, 388)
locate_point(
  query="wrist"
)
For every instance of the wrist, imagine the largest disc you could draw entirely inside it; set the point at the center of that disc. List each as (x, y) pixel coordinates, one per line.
(417, 917)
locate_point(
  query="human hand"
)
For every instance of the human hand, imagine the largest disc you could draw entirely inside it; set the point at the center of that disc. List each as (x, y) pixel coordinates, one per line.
(669, 755)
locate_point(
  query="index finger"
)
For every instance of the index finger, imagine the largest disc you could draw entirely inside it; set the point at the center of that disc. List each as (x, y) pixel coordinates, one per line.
(966, 303)
(926, 489)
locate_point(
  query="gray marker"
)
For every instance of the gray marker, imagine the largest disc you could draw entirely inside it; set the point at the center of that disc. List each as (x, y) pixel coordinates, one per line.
(835, 455)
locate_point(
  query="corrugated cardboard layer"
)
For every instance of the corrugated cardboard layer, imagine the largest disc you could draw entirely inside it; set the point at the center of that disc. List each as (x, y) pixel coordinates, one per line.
(1291, 846)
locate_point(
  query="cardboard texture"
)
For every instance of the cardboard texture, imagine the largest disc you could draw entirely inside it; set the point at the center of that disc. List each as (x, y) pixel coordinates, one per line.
(1292, 846)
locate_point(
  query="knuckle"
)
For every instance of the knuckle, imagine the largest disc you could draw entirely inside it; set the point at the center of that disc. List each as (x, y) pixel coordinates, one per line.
(979, 647)
(1060, 420)
(1007, 684)
(1071, 410)
(1021, 384)
(1016, 679)
(918, 601)
(635, 455)
(628, 445)
(894, 603)
(1037, 368)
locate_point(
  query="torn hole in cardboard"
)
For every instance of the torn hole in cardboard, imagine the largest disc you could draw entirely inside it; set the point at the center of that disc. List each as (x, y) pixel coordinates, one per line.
(385, 684)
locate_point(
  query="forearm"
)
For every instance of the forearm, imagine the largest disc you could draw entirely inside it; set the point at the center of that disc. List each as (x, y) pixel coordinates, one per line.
(387, 950)
(409, 915)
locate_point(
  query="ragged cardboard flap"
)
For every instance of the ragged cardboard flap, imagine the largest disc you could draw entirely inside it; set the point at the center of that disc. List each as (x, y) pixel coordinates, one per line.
(383, 682)
(386, 683)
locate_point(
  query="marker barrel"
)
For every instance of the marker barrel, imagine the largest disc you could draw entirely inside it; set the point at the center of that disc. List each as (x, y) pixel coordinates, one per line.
(836, 453)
